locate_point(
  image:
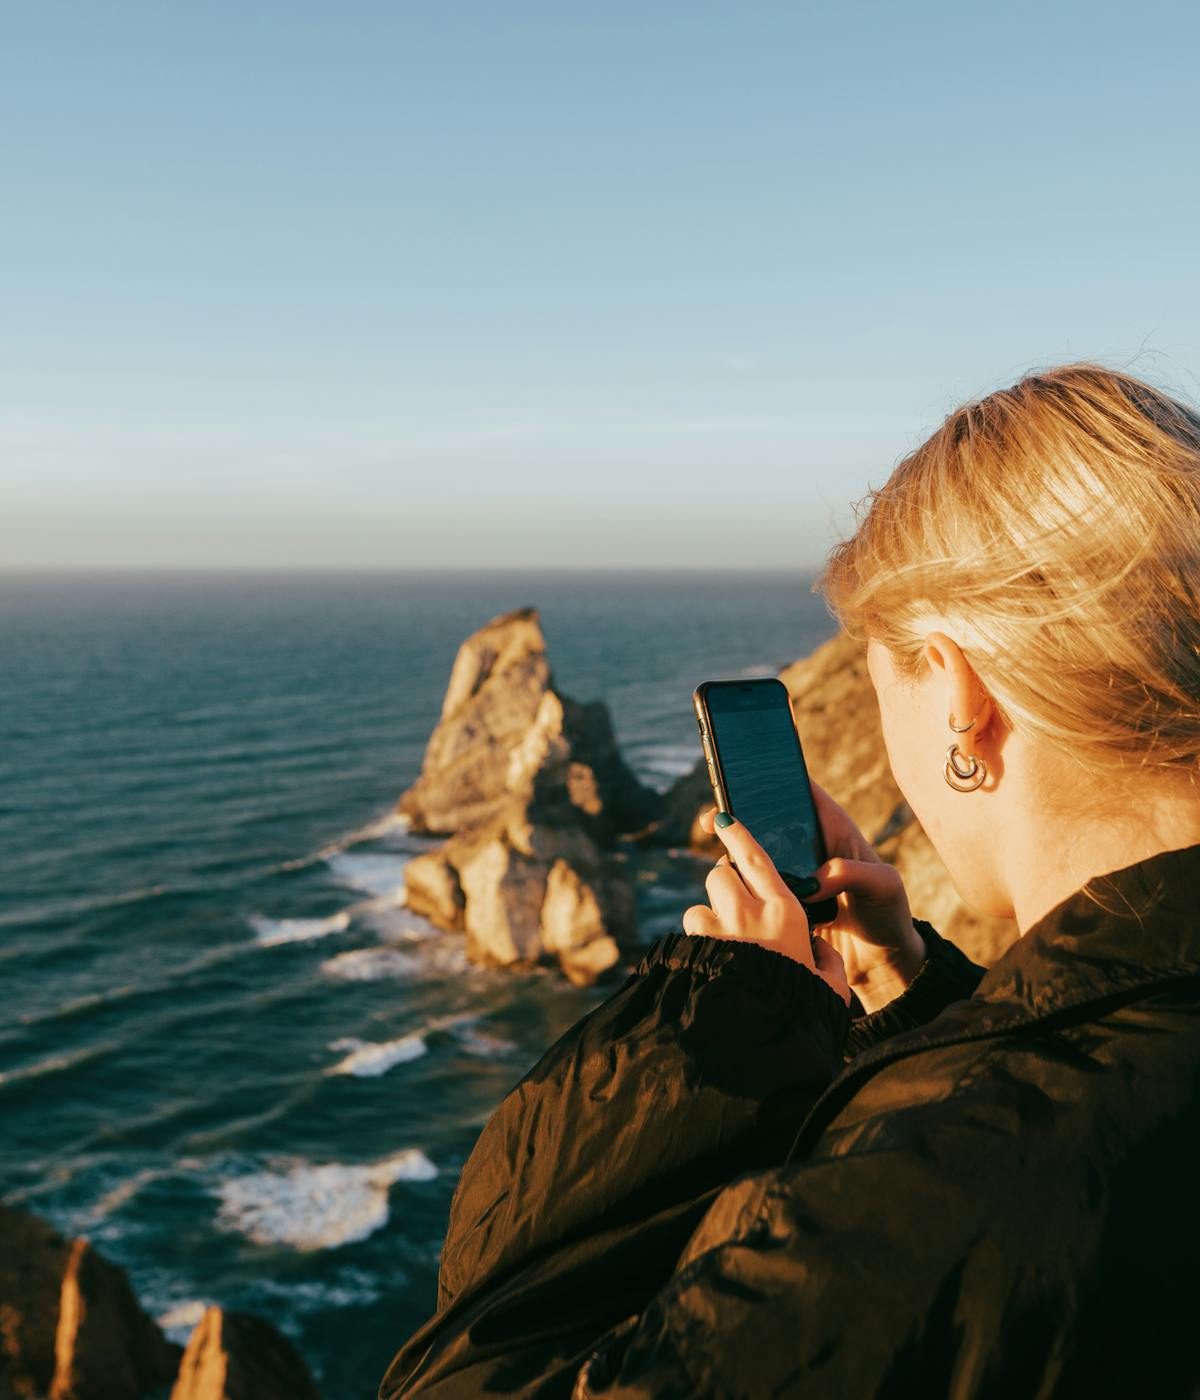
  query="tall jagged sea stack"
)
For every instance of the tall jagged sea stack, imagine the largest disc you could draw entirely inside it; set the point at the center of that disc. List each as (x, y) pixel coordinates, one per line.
(531, 790)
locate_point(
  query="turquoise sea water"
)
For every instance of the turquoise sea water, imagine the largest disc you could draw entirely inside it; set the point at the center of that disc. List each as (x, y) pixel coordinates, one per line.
(227, 1054)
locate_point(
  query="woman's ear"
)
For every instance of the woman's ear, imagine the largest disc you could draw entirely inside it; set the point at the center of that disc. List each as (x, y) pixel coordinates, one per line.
(965, 695)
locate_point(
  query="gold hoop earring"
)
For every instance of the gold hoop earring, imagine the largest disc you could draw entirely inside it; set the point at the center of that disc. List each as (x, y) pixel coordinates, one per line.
(959, 778)
(963, 779)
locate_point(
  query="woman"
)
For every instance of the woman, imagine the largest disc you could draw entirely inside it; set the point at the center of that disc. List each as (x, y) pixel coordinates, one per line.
(856, 1163)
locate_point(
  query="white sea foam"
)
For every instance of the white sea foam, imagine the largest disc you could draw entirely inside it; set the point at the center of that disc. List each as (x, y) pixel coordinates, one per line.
(310, 1207)
(371, 965)
(349, 1288)
(390, 824)
(380, 874)
(395, 924)
(271, 932)
(448, 958)
(368, 1060)
(482, 1043)
(433, 959)
(179, 1321)
(464, 1026)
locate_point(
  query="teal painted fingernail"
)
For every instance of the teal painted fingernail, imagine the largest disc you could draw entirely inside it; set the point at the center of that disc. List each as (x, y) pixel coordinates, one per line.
(723, 819)
(809, 885)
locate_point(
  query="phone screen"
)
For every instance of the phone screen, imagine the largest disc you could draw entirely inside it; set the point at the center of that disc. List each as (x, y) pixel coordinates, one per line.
(765, 777)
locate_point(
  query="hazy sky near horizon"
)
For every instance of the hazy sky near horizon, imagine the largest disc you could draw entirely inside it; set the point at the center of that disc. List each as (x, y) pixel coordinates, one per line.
(397, 284)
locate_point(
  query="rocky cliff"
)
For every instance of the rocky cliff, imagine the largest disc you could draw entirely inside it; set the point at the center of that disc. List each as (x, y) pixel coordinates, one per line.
(532, 791)
(71, 1329)
(506, 734)
(233, 1356)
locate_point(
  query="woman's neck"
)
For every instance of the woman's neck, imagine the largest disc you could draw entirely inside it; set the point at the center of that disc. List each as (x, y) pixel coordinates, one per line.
(1054, 864)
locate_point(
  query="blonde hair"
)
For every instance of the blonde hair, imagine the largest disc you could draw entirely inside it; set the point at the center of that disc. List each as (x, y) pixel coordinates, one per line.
(1053, 530)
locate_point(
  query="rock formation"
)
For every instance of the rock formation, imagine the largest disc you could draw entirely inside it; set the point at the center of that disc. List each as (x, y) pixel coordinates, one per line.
(70, 1326)
(233, 1356)
(837, 716)
(506, 733)
(533, 793)
(71, 1329)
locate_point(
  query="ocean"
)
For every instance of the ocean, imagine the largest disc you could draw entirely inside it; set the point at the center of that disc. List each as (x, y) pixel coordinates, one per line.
(228, 1055)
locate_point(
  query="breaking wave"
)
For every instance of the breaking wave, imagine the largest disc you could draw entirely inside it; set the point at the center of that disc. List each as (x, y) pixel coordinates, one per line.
(271, 932)
(368, 1060)
(308, 1206)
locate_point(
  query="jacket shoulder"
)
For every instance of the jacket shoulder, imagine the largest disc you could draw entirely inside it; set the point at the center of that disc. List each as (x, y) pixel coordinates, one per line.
(1108, 1075)
(1037, 1183)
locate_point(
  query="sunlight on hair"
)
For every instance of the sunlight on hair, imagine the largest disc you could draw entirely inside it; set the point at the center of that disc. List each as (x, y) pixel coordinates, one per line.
(1053, 530)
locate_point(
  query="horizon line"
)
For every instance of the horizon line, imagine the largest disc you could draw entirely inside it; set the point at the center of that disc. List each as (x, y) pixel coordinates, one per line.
(207, 570)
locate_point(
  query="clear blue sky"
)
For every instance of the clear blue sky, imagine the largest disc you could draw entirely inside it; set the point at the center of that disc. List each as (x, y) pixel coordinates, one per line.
(389, 284)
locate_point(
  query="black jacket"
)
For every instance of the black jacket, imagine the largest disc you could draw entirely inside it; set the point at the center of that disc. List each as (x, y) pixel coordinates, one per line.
(720, 1182)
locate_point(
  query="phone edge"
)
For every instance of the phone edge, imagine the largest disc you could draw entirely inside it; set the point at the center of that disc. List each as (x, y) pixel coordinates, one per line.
(716, 777)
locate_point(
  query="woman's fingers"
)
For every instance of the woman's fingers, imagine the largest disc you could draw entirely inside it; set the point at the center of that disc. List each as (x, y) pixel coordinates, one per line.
(701, 922)
(753, 864)
(727, 894)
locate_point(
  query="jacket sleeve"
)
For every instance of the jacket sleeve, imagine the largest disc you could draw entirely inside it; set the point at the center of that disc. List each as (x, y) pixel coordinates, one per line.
(593, 1173)
(947, 975)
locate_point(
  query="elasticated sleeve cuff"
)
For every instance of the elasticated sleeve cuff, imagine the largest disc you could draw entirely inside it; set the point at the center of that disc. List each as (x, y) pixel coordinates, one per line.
(761, 970)
(947, 975)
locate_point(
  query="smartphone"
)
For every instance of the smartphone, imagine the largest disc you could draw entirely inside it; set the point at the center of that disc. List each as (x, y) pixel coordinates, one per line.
(759, 775)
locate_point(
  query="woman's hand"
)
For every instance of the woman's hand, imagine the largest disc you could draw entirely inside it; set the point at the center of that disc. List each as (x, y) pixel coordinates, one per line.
(753, 905)
(873, 931)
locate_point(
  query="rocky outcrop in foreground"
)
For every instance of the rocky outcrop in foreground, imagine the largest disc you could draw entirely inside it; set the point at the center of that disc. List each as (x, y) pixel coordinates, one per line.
(232, 1355)
(71, 1329)
(532, 791)
(70, 1326)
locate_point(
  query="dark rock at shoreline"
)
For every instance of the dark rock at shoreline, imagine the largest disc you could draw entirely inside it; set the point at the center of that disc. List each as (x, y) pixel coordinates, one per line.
(683, 802)
(233, 1356)
(72, 1329)
(70, 1326)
